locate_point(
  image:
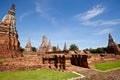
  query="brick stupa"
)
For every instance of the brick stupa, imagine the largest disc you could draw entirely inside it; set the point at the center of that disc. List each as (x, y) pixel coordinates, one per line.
(9, 44)
(112, 47)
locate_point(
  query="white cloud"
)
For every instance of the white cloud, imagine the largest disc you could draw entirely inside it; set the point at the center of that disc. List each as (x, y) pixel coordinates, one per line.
(102, 22)
(111, 22)
(38, 8)
(24, 15)
(44, 13)
(95, 11)
(85, 18)
(104, 31)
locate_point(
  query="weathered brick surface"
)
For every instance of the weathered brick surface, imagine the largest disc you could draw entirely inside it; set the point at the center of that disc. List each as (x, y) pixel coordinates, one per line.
(112, 46)
(97, 58)
(9, 43)
(60, 62)
(37, 62)
(22, 63)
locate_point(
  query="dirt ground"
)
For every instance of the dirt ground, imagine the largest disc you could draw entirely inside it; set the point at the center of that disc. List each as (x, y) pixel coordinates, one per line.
(91, 74)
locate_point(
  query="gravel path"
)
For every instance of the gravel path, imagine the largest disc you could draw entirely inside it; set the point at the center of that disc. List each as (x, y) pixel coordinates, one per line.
(91, 74)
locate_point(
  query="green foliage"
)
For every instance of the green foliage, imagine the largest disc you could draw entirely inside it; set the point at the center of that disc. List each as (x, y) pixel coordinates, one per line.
(22, 49)
(107, 65)
(98, 50)
(54, 48)
(119, 45)
(34, 49)
(73, 47)
(36, 75)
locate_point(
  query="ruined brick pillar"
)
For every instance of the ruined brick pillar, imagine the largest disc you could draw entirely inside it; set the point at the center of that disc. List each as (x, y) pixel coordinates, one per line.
(85, 62)
(68, 62)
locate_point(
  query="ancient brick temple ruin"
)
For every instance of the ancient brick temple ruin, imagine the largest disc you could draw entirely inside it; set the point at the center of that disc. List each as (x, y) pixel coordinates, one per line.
(28, 47)
(61, 59)
(45, 46)
(112, 54)
(9, 44)
(112, 46)
(46, 57)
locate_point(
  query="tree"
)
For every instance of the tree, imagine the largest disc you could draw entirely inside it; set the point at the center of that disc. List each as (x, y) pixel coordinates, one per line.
(73, 47)
(86, 49)
(54, 48)
(98, 50)
(22, 49)
(34, 49)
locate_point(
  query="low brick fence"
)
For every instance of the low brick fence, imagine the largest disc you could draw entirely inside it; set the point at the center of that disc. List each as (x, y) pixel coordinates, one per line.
(22, 63)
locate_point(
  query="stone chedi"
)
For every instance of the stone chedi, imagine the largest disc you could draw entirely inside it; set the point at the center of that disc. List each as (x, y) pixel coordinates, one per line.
(65, 47)
(9, 44)
(45, 46)
(57, 48)
(49, 47)
(28, 47)
(112, 46)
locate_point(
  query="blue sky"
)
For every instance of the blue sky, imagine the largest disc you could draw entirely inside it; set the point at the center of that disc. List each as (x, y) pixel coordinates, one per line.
(85, 23)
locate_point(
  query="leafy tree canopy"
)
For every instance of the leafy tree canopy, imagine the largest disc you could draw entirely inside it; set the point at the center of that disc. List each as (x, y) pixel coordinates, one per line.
(34, 49)
(22, 49)
(97, 50)
(73, 47)
(54, 48)
(119, 45)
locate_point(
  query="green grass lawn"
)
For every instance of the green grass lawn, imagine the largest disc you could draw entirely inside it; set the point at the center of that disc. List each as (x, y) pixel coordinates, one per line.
(107, 65)
(37, 75)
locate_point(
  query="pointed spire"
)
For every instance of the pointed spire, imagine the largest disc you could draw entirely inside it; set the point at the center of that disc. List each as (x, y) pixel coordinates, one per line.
(111, 41)
(49, 47)
(28, 43)
(12, 7)
(65, 47)
(12, 10)
(49, 44)
(44, 42)
(57, 48)
(110, 36)
(28, 47)
(112, 46)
